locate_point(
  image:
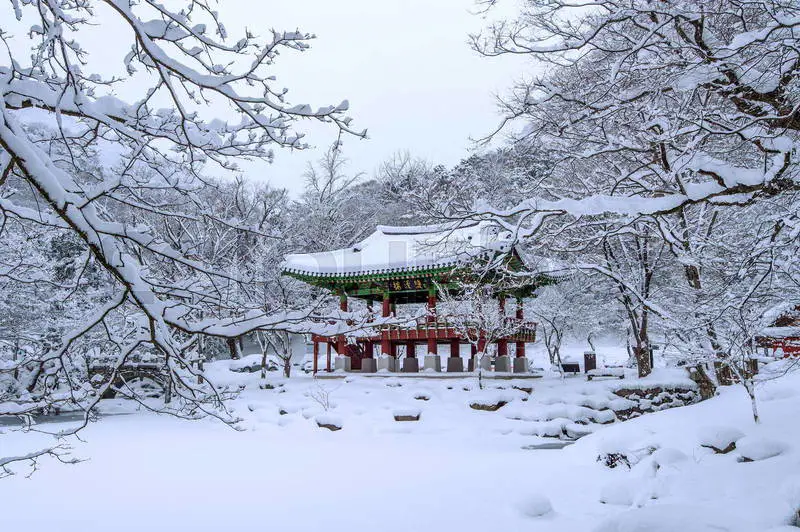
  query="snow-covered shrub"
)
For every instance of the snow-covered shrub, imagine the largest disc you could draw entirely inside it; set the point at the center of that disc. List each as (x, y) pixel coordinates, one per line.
(613, 460)
(615, 453)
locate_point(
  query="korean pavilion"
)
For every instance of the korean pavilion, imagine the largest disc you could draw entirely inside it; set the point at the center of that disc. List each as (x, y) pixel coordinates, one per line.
(397, 266)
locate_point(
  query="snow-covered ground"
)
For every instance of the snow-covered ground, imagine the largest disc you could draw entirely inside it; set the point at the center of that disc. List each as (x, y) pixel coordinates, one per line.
(455, 469)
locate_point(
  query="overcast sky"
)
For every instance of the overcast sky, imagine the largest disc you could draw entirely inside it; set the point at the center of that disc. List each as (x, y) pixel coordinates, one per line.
(404, 65)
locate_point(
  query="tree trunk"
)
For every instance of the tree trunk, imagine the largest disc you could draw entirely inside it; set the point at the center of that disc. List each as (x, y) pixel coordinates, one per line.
(287, 366)
(643, 360)
(16, 357)
(751, 392)
(234, 348)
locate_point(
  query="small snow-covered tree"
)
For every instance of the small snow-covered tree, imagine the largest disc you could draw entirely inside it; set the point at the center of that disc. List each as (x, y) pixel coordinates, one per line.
(474, 311)
(574, 304)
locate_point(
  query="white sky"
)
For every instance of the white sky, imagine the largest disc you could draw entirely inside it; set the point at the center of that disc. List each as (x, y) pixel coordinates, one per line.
(404, 65)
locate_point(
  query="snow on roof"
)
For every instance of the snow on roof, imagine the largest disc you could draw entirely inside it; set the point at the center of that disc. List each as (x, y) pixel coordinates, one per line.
(410, 248)
(781, 332)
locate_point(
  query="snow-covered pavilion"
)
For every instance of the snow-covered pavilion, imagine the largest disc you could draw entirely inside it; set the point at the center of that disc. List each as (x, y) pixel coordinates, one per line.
(408, 265)
(783, 336)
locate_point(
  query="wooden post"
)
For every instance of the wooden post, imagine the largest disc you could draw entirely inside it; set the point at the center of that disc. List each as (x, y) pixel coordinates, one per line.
(411, 350)
(328, 357)
(455, 348)
(502, 343)
(341, 343)
(386, 346)
(520, 347)
(433, 346)
(431, 314)
(316, 356)
(473, 351)
(502, 347)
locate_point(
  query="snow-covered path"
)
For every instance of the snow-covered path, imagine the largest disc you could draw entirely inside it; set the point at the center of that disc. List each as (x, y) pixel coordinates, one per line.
(456, 469)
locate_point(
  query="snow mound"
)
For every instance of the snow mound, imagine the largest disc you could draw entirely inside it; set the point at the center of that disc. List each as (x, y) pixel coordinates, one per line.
(536, 505)
(720, 439)
(285, 408)
(668, 457)
(669, 518)
(778, 393)
(753, 448)
(620, 492)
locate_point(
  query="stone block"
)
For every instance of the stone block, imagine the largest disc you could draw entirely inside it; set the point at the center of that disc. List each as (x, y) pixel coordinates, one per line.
(502, 364)
(369, 365)
(455, 365)
(387, 364)
(410, 365)
(342, 364)
(433, 362)
(521, 365)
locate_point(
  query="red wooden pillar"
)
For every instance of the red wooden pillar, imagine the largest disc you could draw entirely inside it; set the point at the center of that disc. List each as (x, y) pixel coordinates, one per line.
(520, 316)
(341, 343)
(411, 350)
(328, 357)
(455, 348)
(502, 347)
(386, 306)
(316, 356)
(433, 346)
(502, 344)
(386, 344)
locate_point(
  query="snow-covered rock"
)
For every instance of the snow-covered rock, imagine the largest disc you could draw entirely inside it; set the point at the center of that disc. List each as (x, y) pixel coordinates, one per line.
(407, 414)
(754, 448)
(492, 400)
(720, 439)
(328, 421)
